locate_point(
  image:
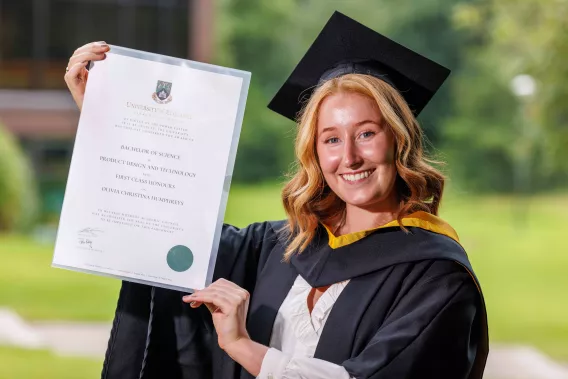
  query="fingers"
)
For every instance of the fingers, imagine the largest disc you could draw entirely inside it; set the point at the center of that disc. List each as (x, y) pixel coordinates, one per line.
(243, 294)
(233, 288)
(74, 72)
(94, 51)
(86, 56)
(93, 47)
(219, 299)
(222, 292)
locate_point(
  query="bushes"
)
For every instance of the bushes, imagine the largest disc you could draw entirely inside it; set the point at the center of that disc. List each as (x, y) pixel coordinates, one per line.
(18, 191)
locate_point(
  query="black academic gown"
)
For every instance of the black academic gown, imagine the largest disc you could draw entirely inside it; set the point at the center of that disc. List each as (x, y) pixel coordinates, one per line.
(412, 309)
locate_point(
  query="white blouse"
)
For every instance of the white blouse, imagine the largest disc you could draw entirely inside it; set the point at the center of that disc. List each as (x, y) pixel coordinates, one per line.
(296, 333)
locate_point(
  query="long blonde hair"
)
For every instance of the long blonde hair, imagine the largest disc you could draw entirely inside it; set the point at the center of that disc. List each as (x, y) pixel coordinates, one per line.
(307, 198)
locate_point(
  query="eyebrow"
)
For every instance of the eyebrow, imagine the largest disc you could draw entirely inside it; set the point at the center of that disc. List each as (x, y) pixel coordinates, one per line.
(331, 128)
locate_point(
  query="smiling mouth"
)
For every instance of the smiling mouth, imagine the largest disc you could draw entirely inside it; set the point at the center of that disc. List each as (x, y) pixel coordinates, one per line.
(357, 177)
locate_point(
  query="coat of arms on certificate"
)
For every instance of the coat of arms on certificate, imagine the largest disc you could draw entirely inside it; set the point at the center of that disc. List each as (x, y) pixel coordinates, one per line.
(163, 92)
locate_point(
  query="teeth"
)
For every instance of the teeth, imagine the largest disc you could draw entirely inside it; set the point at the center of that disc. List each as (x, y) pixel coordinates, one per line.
(359, 176)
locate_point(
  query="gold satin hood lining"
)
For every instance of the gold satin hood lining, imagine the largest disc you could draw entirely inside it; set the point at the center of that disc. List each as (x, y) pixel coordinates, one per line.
(419, 219)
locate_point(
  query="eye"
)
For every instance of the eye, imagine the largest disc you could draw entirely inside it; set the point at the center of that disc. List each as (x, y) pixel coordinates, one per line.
(332, 140)
(366, 134)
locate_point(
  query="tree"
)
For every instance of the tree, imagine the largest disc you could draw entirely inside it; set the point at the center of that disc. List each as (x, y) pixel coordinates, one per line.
(252, 36)
(18, 192)
(492, 128)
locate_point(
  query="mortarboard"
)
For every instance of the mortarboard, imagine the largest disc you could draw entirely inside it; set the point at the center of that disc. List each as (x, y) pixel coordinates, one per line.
(345, 46)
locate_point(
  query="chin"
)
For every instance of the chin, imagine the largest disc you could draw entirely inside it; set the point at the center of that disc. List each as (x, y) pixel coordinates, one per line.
(361, 200)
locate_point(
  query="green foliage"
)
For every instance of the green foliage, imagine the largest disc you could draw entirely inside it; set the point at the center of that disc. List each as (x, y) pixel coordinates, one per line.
(266, 143)
(252, 37)
(18, 192)
(496, 141)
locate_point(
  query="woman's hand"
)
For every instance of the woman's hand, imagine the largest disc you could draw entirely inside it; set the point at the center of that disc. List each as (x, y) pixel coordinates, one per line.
(228, 304)
(77, 73)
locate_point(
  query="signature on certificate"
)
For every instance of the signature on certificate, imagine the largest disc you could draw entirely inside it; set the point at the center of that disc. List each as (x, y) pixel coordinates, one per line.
(86, 237)
(86, 242)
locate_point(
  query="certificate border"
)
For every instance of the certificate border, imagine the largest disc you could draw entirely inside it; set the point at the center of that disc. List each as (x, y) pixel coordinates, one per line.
(245, 76)
(126, 278)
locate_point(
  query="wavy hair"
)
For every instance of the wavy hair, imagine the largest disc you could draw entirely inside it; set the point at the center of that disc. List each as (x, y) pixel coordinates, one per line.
(307, 198)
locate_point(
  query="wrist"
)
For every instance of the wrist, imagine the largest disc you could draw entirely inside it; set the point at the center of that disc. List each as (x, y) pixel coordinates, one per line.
(247, 353)
(238, 344)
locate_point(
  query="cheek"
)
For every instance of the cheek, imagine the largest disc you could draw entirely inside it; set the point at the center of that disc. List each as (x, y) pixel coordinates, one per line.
(382, 151)
(329, 160)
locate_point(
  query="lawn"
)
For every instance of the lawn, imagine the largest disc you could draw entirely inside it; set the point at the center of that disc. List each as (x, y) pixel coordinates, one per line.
(522, 266)
(39, 364)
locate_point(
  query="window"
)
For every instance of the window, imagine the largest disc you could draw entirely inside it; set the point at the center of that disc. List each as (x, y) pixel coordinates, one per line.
(37, 37)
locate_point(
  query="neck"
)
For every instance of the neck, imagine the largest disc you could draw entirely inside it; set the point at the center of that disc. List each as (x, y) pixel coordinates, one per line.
(357, 219)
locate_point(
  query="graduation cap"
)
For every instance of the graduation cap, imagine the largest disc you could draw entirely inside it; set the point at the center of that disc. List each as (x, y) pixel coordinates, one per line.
(345, 46)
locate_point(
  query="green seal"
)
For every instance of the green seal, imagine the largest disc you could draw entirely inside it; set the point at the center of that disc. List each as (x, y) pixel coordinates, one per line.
(180, 258)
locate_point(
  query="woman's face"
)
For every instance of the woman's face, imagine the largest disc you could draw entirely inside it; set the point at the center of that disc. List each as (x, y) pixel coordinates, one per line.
(356, 152)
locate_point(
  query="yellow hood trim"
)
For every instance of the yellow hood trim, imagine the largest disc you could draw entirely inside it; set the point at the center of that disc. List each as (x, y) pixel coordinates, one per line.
(419, 219)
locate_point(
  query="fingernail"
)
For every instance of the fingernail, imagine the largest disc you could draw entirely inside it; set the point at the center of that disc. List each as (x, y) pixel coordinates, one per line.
(192, 303)
(186, 298)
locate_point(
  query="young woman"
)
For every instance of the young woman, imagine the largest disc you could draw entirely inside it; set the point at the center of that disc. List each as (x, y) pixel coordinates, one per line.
(362, 280)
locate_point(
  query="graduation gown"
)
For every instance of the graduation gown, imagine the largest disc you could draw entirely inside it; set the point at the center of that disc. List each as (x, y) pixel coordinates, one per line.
(413, 307)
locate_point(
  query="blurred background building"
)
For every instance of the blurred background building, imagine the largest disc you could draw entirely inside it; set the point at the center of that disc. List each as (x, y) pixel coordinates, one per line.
(37, 37)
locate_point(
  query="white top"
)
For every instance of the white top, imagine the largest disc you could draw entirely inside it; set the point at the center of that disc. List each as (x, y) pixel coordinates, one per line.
(295, 336)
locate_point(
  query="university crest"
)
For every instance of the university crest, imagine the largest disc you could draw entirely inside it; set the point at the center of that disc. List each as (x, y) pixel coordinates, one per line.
(163, 92)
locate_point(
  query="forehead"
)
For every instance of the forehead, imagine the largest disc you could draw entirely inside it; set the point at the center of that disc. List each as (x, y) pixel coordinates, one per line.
(345, 109)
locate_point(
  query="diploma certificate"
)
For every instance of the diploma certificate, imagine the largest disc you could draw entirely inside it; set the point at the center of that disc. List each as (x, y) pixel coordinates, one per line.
(151, 169)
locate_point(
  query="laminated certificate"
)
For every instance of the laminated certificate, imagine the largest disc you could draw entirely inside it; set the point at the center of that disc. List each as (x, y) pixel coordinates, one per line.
(151, 169)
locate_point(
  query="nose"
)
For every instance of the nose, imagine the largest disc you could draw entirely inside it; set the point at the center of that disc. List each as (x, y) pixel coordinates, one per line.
(351, 157)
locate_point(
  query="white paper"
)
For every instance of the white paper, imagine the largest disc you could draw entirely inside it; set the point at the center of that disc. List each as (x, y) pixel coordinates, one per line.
(149, 175)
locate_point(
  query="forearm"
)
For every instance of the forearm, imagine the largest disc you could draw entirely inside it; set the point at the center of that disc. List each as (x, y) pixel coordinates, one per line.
(248, 354)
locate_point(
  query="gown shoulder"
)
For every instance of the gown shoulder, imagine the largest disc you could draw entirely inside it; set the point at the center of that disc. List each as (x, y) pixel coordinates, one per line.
(433, 326)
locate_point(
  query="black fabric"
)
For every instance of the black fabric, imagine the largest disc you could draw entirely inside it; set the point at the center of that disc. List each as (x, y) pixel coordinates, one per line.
(321, 265)
(430, 328)
(412, 309)
(365, 67)
(127, 341)
(345, 46)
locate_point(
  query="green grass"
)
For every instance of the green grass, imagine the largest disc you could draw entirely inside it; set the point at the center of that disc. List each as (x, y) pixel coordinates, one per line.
(35, 290)
(39, 364)
(522, 268)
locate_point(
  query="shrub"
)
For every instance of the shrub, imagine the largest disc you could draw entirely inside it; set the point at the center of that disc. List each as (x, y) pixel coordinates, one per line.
(18, 190)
